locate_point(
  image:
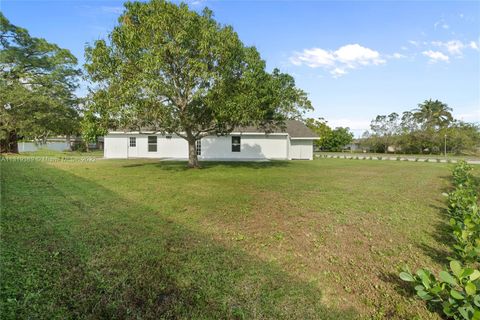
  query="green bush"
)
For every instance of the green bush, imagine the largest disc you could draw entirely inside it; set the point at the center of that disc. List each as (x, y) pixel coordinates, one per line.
(465, 222)
(462, 173)
(458, 291)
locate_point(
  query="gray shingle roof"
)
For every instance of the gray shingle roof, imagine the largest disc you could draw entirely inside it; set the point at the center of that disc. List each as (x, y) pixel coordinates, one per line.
(295, 128)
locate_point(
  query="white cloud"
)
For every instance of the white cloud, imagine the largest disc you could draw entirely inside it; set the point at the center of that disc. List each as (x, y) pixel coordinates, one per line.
(356, 54)
(454, 47)
(314, 58)
(338, 72)
(436, 56)
(413, 42)
(473, 45)
(442, 24)
(397, 55)
(350, 56)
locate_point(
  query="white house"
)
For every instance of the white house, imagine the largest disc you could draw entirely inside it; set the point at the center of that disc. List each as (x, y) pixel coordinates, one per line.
(246, 143)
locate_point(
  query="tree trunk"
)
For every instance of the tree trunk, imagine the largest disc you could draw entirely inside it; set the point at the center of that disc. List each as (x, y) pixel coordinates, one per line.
(192, 153)
(69, 142)
(10, 144)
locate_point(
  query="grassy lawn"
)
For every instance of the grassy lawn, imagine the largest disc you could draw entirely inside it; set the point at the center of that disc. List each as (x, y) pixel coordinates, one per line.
(282, 240)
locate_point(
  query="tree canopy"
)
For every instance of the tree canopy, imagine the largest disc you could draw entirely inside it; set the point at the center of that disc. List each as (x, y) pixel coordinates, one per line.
(329, 139)
(172, 69)
(37, 83)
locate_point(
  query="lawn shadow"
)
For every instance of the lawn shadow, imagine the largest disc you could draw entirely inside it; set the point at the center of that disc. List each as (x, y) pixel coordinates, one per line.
(182, 165)
(442, 236)
(246, 164)
(92, 253)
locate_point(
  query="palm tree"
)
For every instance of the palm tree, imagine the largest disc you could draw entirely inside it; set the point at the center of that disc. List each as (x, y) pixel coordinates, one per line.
(433, 114)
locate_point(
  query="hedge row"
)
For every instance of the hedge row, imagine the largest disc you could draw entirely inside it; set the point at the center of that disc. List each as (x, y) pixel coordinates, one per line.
(457, 290)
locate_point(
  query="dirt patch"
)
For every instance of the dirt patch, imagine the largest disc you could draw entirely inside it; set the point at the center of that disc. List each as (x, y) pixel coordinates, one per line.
(350, 256)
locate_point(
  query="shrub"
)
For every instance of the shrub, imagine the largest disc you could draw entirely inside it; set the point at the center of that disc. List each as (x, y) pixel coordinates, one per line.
(398, 158)
(379, 158)
(457, 291)
(416, 159)
(462, 173)
(465, 221)
(466, 232)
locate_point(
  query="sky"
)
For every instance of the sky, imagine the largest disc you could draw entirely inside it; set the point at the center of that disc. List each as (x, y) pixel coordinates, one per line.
(355, 59)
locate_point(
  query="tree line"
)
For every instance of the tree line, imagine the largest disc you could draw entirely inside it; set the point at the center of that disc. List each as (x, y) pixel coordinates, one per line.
(430, 128)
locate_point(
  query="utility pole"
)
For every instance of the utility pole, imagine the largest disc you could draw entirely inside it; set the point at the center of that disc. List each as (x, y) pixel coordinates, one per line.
(445, 146)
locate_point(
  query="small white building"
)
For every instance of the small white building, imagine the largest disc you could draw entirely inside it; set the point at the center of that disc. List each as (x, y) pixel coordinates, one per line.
(295, 141)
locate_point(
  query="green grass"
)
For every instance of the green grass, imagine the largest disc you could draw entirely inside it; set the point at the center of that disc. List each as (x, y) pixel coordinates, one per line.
(281, 240)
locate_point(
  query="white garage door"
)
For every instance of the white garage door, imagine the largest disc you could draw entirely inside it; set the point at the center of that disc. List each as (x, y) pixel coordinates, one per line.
(301, 149)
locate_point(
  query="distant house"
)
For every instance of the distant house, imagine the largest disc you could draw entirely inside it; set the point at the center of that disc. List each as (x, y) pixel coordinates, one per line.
(60, 143)
(355, 146)
(295, 141)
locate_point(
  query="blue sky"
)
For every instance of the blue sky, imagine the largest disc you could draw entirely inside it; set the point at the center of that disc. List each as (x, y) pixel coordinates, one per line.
(355, 59)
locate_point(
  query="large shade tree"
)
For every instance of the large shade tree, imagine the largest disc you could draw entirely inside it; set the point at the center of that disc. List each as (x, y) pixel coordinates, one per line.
(171, 69)
(37, 83)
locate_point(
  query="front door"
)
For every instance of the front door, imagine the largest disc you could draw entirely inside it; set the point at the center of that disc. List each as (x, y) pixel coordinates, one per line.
(132, 147)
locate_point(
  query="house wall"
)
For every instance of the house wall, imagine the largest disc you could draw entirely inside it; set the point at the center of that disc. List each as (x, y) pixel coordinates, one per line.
(252, 147)
(301, 149)
(257, 146)
(174, 147)
(115, 146)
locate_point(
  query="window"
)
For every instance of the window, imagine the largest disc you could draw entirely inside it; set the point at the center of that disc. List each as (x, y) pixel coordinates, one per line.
(152, 143)
(199, 147)
(235, 144)
(133, 142)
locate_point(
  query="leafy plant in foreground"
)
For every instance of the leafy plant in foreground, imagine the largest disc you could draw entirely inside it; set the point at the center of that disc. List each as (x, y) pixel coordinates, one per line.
(458, 291)
(461, 173)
